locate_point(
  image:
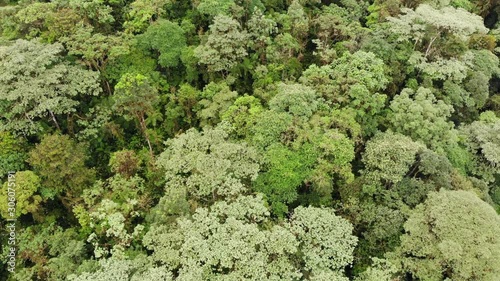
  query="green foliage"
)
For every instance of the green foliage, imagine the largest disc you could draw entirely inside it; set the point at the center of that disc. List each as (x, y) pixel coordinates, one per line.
(50, 21)
(237, 248)
(336, 152)
(8, 25)
(136, 98)
(125, 163)
(285, 172)
(298, 21)
(95, 49)
(49, 252)
(361, 67)
(283, 50)
(424, 118)
(167, 39)
(213, 140)
(216, 100)
(430, 29)
(207, 165)
(109, 214)
(444, 239)
(388, 156)
(481, 139)
(353, 81)
(242, 114)
(12, 156)
(142, 13)
(115, 269)
(135, 61)
(190, 62)
(381, 270)
(296, 100)
(215, 7)
(442, 69)
(97, 11)
(235, 241)
(60, 163)
(268, 128)
(260, 29)
(181, 109)
(27, 185)
(326, 241)
(337, 27)
(111, 223)
(225, 45)
(37, 85)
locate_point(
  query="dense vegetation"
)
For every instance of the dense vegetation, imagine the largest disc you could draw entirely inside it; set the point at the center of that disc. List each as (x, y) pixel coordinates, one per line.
(251, 139)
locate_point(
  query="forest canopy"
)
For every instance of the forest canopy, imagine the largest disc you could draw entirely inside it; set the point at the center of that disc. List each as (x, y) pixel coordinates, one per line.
(250, 140)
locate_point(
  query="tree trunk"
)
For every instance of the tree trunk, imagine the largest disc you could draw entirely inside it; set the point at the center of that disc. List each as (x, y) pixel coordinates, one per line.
(108, 87)
(430, 45)
(142, 121)
(54, 119)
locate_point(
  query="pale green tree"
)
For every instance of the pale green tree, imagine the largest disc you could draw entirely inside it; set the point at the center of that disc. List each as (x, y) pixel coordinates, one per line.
(226, 242)
(237, 241)
(295, 99)
(27, 195)
(96, 50)
(111, 223)
(242, 114)
(353, 80)
(143, 13)
(268, 128)
(482, 141)
(380, 270)
(109, 213)
(260, 29)
(429, 28)
(37, 85)
(465, 80)
(421, 116)
(451, 236)
(217, 97)
(452, 69)
(388, 156)
(118, 269)
(207, 165)
(224, 46)
(326, 241)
